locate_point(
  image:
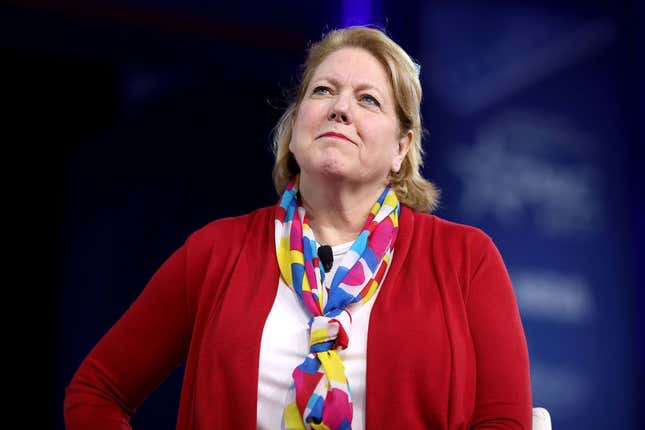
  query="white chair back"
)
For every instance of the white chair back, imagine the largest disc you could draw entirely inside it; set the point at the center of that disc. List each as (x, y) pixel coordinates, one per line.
(541, 419)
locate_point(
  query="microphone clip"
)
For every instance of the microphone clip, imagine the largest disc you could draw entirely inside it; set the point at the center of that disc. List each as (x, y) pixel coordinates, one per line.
(326, 256)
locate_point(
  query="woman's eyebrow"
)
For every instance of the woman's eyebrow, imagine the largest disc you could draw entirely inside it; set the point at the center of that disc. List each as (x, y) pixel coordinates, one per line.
(361, 86)
(368, 86)
(331, 80)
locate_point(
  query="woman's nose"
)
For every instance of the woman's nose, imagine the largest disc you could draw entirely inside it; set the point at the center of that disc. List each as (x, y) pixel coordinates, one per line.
(340, 111)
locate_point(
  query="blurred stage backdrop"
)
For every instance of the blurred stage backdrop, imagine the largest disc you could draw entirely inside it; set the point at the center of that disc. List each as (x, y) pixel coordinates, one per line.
(144, 111)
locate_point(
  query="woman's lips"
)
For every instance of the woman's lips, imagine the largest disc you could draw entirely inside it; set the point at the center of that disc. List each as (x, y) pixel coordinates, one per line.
(336, 135)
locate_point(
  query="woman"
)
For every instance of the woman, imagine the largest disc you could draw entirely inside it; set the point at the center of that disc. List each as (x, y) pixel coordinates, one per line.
(409, 322)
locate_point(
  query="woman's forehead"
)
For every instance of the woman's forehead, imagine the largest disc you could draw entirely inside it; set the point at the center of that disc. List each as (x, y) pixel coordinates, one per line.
(355, 65)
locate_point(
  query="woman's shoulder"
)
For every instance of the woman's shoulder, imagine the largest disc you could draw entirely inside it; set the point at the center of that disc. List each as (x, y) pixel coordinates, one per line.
(454, 246)
(442, 229)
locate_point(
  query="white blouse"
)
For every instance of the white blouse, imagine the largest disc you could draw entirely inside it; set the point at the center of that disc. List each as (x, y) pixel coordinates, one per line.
(285, 344)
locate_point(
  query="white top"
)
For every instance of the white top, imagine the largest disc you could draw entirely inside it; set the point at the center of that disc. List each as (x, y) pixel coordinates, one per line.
(285, 344)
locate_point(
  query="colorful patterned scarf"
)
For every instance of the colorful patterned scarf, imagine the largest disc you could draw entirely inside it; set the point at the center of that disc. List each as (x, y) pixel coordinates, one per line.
(319, 397)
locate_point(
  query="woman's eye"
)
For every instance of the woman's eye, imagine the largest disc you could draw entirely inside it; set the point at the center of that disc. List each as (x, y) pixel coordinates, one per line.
(321, 90)
(370, 100)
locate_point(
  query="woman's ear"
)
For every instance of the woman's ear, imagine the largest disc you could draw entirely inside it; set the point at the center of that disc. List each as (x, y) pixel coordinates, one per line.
(401, 151)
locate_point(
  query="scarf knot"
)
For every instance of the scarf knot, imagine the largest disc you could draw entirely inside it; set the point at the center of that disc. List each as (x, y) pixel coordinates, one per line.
(330, 331)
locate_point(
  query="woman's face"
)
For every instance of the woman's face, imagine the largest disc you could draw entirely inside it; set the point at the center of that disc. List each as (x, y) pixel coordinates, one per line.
(346, 125)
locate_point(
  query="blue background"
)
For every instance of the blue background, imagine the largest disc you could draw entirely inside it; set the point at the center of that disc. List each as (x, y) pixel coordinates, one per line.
(134, 120)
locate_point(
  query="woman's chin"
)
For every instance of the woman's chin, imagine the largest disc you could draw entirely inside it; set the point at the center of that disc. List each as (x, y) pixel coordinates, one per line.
(335, 169)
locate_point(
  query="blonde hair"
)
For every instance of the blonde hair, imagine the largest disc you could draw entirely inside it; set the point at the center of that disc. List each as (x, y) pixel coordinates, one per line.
(411, 188)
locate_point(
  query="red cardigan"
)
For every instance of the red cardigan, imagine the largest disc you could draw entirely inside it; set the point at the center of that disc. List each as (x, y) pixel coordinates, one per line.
(446, 347)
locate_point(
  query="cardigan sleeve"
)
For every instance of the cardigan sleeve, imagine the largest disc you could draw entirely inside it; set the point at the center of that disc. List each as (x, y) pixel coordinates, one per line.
(144, 346)
(503, 392)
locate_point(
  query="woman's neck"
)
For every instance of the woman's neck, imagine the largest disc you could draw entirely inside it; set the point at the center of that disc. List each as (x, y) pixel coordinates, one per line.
(337, 212)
